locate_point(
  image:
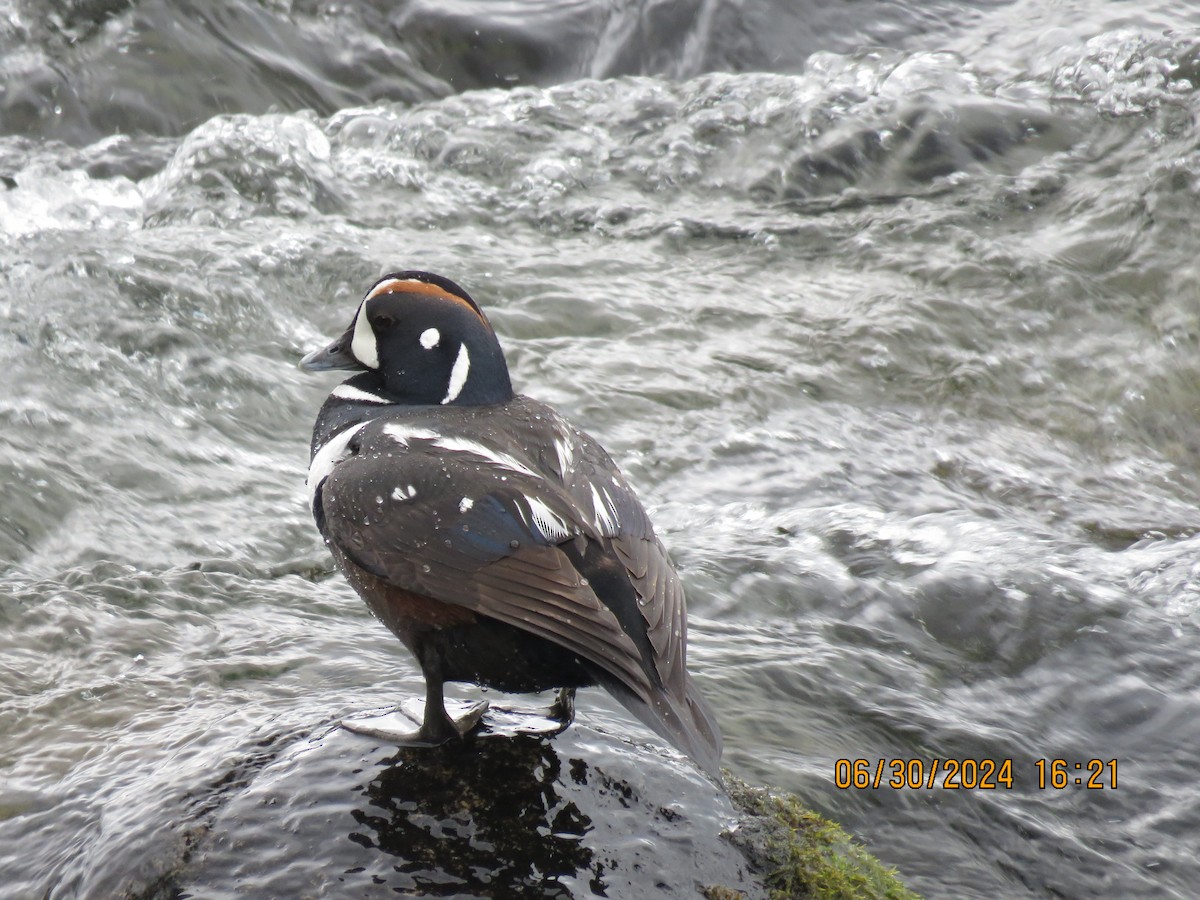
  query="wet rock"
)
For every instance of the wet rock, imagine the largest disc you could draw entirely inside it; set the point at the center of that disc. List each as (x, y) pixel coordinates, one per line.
(584, 814)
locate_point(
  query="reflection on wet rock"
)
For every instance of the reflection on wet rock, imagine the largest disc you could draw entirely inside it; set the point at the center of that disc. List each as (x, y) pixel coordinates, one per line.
(581, 815)
(441, 815)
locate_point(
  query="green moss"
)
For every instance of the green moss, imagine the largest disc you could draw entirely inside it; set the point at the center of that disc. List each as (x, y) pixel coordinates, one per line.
(801, 854)
(720, 892)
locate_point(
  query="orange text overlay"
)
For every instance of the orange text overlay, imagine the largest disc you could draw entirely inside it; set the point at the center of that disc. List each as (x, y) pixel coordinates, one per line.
(973, 774)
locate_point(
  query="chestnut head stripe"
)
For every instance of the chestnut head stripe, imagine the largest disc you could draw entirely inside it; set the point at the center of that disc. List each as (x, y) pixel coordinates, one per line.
(416, 286)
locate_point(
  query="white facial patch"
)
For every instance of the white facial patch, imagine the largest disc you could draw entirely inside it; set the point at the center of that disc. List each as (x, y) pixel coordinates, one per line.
(385, 285)
(458, 375)
(430, 338)
(327, 459)
(364, 345)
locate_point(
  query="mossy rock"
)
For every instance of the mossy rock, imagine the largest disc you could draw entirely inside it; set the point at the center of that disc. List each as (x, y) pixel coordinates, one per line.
(799, 853)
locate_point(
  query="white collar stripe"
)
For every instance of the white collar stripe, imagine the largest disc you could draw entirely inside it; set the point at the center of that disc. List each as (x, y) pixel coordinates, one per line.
(327, 458)
(349, 392)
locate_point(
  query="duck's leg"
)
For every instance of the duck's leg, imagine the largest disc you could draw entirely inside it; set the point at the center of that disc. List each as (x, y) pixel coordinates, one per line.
(437, 726)
(563, 708)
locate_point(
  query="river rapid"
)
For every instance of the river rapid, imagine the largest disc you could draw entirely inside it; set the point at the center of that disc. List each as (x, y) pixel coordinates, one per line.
(890, 311)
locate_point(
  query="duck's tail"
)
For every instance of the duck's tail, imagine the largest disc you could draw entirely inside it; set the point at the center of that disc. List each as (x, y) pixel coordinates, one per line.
(687, 722)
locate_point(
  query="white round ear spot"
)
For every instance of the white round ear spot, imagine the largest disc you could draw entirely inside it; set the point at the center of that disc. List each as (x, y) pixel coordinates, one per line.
(430, 338)
(364, 345)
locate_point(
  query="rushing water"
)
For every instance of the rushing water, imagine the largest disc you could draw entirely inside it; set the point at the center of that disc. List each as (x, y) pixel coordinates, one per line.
(890, 312)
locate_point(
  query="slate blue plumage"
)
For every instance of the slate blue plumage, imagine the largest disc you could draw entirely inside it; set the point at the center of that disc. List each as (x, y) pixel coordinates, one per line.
(498, 541)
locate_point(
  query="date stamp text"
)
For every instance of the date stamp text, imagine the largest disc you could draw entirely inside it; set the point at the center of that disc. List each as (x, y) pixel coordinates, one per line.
(973, 774)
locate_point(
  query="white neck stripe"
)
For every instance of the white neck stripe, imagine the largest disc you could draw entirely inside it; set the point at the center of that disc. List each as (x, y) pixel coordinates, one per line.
(458, 375)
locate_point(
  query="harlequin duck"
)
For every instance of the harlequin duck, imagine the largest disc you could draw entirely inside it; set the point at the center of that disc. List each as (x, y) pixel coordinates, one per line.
(498, 541)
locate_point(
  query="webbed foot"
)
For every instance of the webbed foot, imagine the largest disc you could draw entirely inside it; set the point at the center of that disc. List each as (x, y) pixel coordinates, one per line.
(541, 723)
(396, 727)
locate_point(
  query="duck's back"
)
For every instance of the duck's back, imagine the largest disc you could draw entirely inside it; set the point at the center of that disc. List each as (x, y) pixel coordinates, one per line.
(509, 512)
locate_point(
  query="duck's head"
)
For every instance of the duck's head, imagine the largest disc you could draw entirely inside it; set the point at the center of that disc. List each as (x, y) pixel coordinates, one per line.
(425, 340)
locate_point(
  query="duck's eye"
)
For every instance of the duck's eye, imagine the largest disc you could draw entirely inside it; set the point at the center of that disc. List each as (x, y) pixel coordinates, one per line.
(382, 322)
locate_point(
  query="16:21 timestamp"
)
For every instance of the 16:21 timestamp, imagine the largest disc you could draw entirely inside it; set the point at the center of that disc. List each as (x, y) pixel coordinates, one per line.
(1059, 773)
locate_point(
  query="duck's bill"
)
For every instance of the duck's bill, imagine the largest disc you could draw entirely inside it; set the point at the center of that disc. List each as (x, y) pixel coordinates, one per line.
(336, 356)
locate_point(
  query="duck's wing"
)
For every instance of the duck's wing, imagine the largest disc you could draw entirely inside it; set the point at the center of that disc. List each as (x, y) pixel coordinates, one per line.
(642, 586)
(569, 556)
